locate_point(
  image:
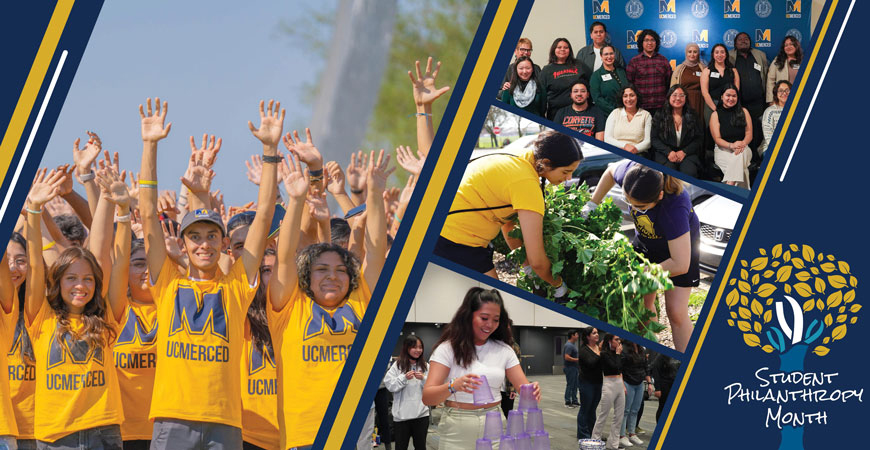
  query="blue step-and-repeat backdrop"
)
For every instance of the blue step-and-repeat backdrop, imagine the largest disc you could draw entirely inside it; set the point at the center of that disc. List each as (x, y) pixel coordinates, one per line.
(704, 22)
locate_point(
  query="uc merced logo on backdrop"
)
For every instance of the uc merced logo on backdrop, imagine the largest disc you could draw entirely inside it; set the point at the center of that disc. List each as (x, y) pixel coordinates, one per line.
(732, 9)
(762, 37)
(633, 9)
(792, 302)
(701, 37)
(793, 9)
(667, 9)
(700, 8)
(763, 8)
(600, 9)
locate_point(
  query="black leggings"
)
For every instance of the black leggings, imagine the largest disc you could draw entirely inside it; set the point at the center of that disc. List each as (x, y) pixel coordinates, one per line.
(414, 428)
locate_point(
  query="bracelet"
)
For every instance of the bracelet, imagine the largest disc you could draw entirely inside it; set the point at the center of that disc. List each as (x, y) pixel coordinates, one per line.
(423, 114)
(48, 246)
(450, 386)
(357, 191)
(124, 218)
(147, 182)
(316, 173)
(33, 211)
(274, 159)
(87, 177)
(396, 218)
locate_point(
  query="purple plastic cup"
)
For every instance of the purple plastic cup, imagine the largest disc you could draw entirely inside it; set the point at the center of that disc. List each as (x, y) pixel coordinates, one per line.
(492, 428)
(507, 443)
(515, 423)
(542, 440)
(483, 444)
(534, 421)
(483, 395)
(527, 398)
(523, 442)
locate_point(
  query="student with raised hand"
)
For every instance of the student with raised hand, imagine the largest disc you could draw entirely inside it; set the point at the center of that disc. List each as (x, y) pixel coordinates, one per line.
(72, 327)
(20, 360)
(425, 93)
(8, 334)
(197, 389)
(318, 301)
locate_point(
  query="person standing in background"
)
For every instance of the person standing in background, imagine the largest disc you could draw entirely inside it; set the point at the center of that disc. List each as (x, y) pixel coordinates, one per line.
(589, 57)
(751, 65)
(571, 369)
(650, 72)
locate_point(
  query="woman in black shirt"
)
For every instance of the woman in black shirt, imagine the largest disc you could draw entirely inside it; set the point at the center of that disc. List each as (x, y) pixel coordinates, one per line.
(612, 390)
(590, 381)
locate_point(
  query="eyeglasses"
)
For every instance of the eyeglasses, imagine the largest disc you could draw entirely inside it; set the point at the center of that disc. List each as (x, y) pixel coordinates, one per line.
(783, 91)
(525, 50)
(675, 95)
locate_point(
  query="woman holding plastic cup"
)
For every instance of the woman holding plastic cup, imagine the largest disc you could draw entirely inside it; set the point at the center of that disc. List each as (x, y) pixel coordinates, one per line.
(467, 366)
(405, 380)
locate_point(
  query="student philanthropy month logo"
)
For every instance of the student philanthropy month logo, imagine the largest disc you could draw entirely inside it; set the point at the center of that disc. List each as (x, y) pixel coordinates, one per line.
(790, 301)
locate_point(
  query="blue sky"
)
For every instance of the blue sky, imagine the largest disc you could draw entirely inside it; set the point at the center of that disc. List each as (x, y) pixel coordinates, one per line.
(212, 63)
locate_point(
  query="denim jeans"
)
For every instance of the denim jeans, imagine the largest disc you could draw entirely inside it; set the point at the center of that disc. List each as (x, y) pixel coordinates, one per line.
(571, 379)
(633, 400)
(590, 395)
(98, 438)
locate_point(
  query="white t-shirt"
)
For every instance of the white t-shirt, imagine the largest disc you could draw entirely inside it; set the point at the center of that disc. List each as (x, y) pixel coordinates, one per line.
(598, 61)
(493, 359)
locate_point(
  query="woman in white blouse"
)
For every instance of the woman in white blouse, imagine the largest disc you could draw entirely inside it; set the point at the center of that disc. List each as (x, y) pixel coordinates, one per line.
(628, 126)
(770, 118)
(476, 342)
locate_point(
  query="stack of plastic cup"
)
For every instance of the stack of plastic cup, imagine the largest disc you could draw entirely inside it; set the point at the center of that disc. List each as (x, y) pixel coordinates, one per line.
(484, 444)
(534, 421)
(523, 442)
(527, 398)
(492, 428)
(507, 443)
(542, 440)
(483, 395)
(515, 423)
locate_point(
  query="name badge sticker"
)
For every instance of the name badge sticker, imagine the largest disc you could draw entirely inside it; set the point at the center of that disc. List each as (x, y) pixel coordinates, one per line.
(715, 75)
(757, 66)
(606, 77)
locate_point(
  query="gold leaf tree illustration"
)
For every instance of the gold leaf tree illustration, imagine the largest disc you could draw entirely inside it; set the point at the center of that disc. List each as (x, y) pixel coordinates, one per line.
(791, 300)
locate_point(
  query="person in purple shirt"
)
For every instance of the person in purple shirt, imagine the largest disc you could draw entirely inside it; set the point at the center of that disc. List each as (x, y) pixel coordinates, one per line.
(667, 232)
(650, 71)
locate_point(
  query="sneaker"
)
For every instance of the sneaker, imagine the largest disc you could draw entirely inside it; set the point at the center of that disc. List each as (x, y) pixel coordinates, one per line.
(624, 442)
(640, 430)
(569, 405)
(575, 403)
(635, 440)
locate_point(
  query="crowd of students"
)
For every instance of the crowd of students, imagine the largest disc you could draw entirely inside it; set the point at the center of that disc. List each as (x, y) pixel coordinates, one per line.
(137, 318)
(698, 119)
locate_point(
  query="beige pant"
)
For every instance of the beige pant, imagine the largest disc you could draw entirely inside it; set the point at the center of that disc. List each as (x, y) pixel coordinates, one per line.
(612, 397)
(460, 429)
(733, 167)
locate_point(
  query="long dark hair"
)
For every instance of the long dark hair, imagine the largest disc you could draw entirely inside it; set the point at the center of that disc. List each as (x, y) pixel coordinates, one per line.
(729, 74)
(620, 104)
(643, 34)
(571, 61)
(781, 57)
(96, 331)
(584, 334)
(404, 362)
(25, 347)
(515, 79)
(664, 118)
(560, 149)
(644, 184)
(605, 343)
(738, 118)
(260, 336)
(459, 334)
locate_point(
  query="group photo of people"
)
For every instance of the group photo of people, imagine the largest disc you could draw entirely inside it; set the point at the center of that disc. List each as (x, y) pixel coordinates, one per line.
(585, 383)
(710, 114)
(137, 317)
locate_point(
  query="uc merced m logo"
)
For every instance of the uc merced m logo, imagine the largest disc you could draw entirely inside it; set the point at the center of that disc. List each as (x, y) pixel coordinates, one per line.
(667, 9)
(732, 9)
(669, 38)
(600, 9)
(763, 8)
(762, 37)
(631, 39)
(791, 301)
(72, 350)
(188, 315)
(633, 9)
(700, 9)
(701, 38)
(343, 320)
(793, 9)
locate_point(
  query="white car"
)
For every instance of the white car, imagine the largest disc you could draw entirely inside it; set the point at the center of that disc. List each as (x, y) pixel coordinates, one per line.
(718, 216)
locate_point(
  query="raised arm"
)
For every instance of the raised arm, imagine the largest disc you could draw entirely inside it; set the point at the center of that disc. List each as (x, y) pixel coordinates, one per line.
(335, 186)
(376, 224)
(269, 133)
(45, 187)
(284, 276)
(84, 161)
(115, 197)
(153, 130)
(425, 93)
(102, 231)
(356, 177)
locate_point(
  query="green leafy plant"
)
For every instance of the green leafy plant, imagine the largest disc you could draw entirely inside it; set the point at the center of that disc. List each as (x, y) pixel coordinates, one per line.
(606, 276)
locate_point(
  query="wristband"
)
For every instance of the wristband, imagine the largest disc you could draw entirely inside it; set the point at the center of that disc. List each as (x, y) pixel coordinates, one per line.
(315, 179)
(273, 159)
(357, 191)
(152, 183)
(450, 386)
(33, 211)
(396, 218)
(124, 218)
(87, 177)
(423, 114)
(48, 246)
(316, 173)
